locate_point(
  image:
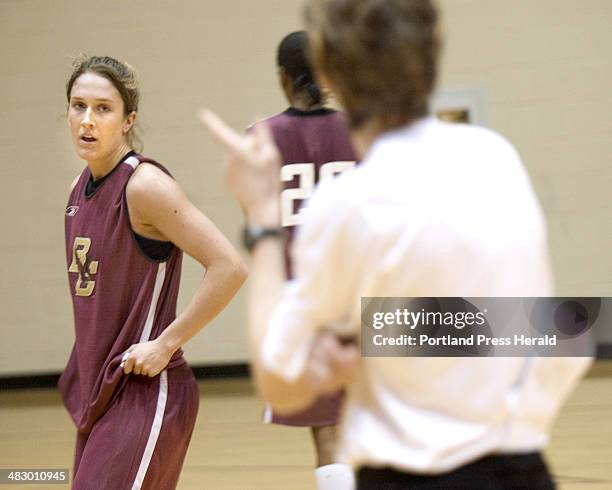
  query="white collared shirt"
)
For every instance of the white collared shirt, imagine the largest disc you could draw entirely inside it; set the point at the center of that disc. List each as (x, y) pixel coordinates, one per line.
(435, 209)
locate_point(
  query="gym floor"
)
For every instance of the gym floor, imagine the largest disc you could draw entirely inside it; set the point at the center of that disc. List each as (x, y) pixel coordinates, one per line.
(232, 450)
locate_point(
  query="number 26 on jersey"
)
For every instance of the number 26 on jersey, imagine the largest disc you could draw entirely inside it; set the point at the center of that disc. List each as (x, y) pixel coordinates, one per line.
(306, 174)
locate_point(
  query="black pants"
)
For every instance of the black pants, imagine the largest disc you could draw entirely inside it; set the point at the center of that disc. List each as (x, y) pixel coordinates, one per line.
(508, 472)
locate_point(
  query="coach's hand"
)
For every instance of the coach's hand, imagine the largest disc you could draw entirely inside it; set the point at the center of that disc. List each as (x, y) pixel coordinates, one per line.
(252, 168)
(147, 358)
(330, 365)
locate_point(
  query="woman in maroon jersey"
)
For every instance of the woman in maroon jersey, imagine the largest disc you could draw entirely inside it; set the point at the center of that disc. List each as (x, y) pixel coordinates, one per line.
(314, 144)
(127, 387)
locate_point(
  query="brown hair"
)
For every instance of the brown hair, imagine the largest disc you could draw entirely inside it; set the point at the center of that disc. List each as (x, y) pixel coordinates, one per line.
(120, 74)
(380, 56)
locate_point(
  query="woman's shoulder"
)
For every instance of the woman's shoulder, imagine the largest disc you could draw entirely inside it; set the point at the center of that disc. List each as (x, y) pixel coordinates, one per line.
(149, 183)
(140, 162)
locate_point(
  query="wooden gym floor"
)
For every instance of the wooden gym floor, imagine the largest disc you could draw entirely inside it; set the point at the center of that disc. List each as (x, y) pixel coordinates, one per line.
(232, 450)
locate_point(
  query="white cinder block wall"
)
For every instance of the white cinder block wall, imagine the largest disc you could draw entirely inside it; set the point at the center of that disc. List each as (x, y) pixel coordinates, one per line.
(543, 64)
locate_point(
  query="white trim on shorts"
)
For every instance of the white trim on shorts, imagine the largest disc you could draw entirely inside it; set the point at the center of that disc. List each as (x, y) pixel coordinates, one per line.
(155, 430)
(163, 383)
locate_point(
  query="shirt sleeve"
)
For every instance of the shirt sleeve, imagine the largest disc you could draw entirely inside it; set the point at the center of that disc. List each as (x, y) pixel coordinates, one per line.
(326, 262)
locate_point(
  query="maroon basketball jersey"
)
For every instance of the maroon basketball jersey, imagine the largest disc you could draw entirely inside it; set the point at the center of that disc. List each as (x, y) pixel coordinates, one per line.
(120, 296)
(314, 145)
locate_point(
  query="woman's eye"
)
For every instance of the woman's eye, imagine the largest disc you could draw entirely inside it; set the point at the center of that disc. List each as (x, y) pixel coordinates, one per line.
(78, 105)
(104, 108)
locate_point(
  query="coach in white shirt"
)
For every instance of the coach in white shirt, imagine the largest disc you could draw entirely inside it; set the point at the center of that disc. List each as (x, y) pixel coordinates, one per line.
(435, 210)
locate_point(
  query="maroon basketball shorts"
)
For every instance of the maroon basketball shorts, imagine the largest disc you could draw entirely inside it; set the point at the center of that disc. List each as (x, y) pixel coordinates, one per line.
(141, 441)
(324, 411)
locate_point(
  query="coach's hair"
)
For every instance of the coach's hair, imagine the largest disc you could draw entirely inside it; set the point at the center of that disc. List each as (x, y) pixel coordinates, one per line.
(379, 55)
(120, 74)
(292, 56)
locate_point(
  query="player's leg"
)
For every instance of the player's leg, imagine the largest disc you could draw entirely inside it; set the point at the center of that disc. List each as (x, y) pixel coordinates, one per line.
(141, 442)
(81, 441)
(324, 439)
(117, 440)
(329, 473)
(179, 419)
(322, 417)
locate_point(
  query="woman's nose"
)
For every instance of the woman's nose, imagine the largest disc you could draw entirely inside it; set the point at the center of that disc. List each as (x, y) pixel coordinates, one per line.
(87, 118)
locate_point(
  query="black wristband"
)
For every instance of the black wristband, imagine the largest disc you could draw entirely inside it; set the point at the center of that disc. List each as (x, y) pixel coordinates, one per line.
(251, 235)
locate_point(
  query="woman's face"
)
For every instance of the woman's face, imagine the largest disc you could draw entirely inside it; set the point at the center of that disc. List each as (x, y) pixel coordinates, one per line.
(96, 118)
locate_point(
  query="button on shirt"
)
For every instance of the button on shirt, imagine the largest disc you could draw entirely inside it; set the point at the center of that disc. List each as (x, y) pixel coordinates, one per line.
(435, 209)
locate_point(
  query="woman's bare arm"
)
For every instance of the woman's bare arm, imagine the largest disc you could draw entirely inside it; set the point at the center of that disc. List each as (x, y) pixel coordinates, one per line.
(155, 200)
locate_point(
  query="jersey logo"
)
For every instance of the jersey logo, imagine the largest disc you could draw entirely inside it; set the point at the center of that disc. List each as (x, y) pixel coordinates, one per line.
(306, 174)
(84, 267)
(71, 210)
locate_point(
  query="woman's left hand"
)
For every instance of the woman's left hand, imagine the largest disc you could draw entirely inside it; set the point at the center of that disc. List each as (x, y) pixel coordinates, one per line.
(147, 358)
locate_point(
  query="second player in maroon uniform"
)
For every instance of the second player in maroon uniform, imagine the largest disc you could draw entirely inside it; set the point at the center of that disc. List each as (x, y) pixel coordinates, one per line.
(127, 387)
(314, 144)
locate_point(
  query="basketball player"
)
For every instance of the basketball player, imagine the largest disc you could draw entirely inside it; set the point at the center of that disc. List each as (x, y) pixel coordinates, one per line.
(314, 144)
(434, 209)
(127, 386)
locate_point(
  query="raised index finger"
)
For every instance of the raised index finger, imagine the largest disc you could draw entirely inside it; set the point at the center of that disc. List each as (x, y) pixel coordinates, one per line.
(221, 131)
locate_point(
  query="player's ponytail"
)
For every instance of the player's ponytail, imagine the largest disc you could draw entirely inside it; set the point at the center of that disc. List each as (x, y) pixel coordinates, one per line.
(293, 58)
(305, 83)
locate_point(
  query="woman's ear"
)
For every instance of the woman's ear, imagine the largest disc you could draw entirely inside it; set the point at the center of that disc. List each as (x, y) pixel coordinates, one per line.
(129, 122)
